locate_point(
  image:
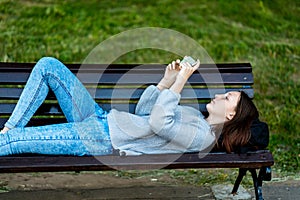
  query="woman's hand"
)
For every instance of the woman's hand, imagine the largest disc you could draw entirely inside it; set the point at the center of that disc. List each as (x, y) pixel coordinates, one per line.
(187, 70)
(170, 75)
(184, 74)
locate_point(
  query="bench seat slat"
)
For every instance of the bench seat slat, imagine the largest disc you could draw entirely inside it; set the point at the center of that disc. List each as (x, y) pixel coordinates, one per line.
(143, 162)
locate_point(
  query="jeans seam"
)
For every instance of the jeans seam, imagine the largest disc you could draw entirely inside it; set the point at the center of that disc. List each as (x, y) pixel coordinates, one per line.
(31, 102)
(66, 91)
(38, 90)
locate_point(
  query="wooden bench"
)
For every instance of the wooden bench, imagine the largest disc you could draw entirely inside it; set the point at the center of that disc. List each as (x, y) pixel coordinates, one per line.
(120, 86)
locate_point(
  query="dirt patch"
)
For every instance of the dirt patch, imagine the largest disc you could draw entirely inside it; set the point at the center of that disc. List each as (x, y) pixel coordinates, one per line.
(97, 186)
(112, 185)
(88, 180)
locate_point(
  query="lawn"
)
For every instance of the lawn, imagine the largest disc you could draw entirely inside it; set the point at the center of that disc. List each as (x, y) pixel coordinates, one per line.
(264, 33)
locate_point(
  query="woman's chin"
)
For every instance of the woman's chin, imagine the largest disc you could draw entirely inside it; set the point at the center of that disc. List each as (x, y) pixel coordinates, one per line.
(209, 107)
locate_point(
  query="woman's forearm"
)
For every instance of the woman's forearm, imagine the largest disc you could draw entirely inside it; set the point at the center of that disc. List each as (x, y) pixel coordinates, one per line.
(164, 84)
(178, 85)
(169, 78)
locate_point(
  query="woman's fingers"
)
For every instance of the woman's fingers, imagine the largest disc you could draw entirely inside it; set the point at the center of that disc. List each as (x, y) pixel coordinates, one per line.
(187, 70)
(169, 67)
(173, 65)
(197, 64)
(176, 65)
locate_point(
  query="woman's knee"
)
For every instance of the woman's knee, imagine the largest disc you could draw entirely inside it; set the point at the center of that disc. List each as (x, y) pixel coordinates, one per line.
(48, 62)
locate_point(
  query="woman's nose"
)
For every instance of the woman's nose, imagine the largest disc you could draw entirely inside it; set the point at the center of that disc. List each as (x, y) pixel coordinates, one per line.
(219, 96)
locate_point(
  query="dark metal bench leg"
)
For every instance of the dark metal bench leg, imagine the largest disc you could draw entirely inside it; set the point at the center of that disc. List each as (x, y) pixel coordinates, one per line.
(242, 173)
(265, 173)
(257, 182)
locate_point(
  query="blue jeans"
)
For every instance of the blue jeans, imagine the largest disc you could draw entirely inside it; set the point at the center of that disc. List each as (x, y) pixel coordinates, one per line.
(86, 132)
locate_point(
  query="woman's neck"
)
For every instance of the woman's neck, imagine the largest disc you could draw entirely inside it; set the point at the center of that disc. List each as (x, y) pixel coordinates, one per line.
(214, 120)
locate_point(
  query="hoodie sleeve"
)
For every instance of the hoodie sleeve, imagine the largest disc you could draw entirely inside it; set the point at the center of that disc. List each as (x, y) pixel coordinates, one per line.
(147, 100)
(162, 118)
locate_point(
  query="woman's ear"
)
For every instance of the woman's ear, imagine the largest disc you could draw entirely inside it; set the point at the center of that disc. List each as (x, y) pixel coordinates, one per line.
(230, 115)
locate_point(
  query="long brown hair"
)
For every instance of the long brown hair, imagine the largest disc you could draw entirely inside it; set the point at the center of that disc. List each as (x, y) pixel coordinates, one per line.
(236, 132)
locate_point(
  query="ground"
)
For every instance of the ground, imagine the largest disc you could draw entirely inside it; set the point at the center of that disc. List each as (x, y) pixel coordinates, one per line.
(98, 185)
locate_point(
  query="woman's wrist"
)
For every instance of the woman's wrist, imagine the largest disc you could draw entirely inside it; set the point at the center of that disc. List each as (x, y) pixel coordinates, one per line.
(178, 84)
(160, 87)
(164, 84)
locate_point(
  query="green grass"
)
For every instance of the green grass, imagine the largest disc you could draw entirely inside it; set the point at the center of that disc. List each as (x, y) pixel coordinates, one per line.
(264, 33)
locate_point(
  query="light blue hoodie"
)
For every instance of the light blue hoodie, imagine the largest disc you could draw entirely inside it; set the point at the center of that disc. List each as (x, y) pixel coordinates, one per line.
(159, 126)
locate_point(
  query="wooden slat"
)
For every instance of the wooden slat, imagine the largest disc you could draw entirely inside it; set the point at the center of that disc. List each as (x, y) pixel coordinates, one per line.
(150, 73)
(222, 67)
(141, 78)
(150, 78)
(143, 162)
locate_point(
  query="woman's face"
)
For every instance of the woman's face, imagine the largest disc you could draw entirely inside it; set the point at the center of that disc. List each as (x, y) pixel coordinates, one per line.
(223, 105)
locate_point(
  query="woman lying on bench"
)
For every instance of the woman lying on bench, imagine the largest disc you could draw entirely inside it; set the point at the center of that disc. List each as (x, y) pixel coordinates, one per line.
(158, 126)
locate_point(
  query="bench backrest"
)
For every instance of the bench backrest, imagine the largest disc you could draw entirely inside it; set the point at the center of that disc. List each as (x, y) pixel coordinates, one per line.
(121, 85)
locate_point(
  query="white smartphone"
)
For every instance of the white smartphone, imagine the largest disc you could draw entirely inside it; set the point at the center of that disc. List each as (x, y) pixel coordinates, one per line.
(190, 60)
